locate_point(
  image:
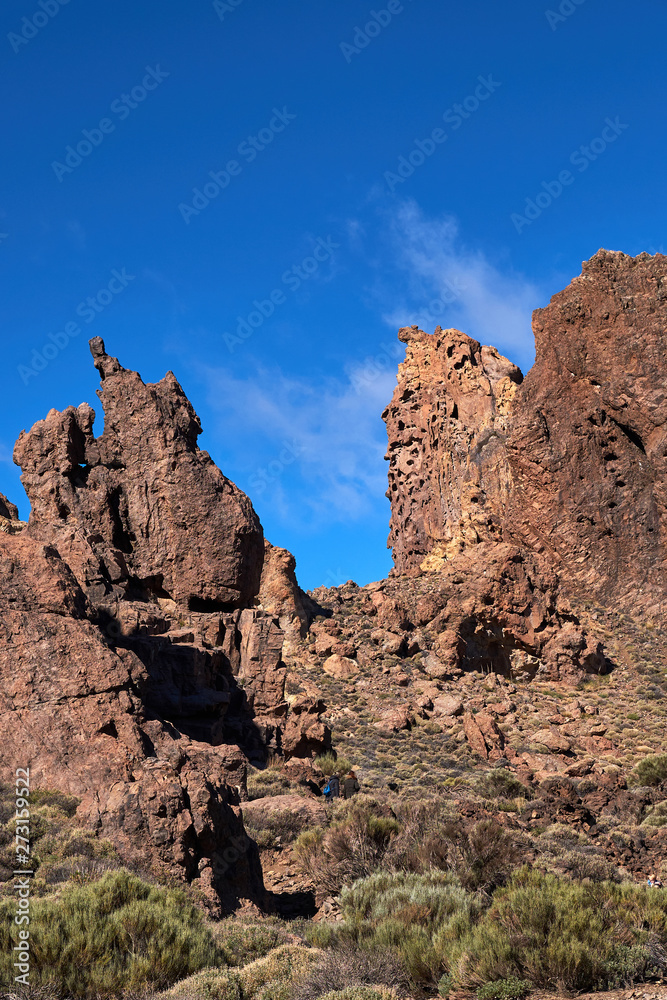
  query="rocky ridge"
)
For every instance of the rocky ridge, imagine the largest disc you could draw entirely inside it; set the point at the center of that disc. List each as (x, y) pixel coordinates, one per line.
(155, 646)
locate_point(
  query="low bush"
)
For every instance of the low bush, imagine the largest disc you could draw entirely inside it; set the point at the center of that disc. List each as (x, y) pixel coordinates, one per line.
(348, 967)
(580, 865)
(656, 815)
(652, 770)
(116, 933)
(329, 764)
(554, 932)
(273, 827)
(269, 978)
(353, 846)
(504, 989)
(412, 915)
(60, 851)
(243, 942)
(501, 784)
(270, 781)
(482, 856)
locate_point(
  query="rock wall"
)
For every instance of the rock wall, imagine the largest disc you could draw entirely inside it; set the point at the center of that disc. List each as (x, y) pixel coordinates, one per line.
(569, 462)
(76, 711)
(589, 432)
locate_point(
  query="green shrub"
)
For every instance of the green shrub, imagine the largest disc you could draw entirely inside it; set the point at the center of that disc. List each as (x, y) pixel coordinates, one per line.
(504, 989)
(652, 770)
(269, 978)
(241, 943)
(353, 846)
(551, 932)
(273, 827)
(67, 804)
(445, 985)
(411, 915)
(112, 934)
(656, 815)
(329, 764)
(266, 783)
(501, 784)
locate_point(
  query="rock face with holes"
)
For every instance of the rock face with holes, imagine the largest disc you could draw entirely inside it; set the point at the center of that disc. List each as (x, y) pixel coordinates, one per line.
(569, 463)
(446, 424)
(140, 510)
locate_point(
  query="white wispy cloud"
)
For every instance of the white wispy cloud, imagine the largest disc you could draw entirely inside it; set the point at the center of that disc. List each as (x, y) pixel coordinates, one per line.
(317, 446)
(436, 279)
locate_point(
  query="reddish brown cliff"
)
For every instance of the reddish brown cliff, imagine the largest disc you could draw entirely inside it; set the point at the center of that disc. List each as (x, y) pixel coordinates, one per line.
(140, 509)
(589, 432)
(138, 669)
(75, 712)
(446, 424)
(569, 462)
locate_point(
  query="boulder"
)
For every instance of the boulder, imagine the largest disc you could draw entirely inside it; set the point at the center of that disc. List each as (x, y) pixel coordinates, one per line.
(341, 667)
(551, 740)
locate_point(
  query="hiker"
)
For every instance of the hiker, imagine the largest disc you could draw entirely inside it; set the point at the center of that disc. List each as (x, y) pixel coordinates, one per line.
(331, 789)
(350, 785)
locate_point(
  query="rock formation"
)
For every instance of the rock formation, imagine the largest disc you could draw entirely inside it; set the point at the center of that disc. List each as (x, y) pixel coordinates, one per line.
(446, 425)
(588, 443)
(152, 642)
(139, 670)
(74, 711)
(568, 463)
(140, 509)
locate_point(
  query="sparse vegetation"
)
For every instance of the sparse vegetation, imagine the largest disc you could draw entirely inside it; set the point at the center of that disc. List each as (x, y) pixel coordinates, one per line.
(652, 770)
(112, 934)
(329, 764)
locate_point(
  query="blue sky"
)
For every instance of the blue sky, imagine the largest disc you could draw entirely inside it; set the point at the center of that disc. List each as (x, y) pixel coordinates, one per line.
(347, 195)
